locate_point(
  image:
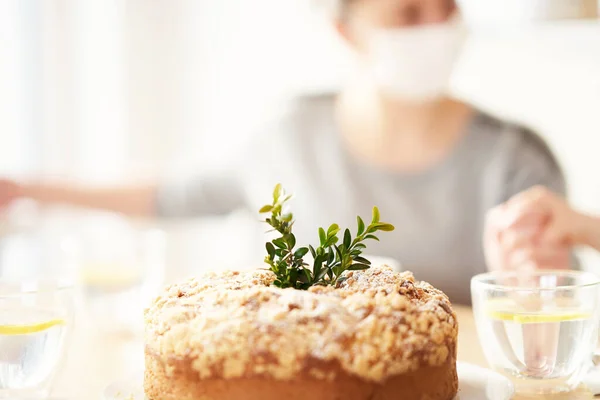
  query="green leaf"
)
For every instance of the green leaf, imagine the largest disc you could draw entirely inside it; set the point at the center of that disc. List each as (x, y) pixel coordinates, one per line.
(330, 256)
(266, 209)
(347, 261)
(287, 198)
(341, 280)
(333, 230)
(384, 227)
(306, 276)
(372, 237)
(347, 238)
(287, 217)
(312, 251)
(331, 241)
(279, 242)
(277, 192)
(322, 236)
(301, 252)
(337, 270)
(291, 240)
(318, 271)
(270, 249)
(277, 283)
(358, 267)
(293, 276)
(361, 226)
(282, 266)
(360, 246)
(375, 215)
(339, 252)
(317, 265)
(321, 274)
(362, 260)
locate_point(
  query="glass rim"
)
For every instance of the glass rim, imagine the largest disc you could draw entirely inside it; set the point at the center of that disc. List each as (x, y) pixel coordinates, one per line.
(34, 286)
(590, 278)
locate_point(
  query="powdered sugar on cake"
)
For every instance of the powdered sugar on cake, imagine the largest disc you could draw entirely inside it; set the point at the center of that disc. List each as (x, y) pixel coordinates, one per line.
(378, 323)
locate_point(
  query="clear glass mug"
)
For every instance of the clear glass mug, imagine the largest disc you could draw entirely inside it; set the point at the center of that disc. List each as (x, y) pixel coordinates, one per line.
(539, 328)
(36, 321)
(120, 267)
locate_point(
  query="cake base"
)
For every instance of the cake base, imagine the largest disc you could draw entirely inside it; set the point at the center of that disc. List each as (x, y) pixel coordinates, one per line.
(427, 383)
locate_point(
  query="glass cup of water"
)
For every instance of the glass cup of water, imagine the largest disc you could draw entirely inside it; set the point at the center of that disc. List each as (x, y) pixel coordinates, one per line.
(539, 328)
(120, 268)
(36, 318)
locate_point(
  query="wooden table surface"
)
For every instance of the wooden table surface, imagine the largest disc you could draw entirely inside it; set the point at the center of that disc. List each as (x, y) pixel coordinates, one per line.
(97, 358)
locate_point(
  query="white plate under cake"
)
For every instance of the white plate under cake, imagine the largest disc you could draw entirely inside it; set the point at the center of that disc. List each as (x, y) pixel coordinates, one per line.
(379, 335)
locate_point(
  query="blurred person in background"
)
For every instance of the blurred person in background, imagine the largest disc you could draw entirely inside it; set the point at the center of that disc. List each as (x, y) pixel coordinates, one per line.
(392, 137)
(524, 232)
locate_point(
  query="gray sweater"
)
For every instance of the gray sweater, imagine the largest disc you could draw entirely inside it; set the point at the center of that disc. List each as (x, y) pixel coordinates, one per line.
(438, 214)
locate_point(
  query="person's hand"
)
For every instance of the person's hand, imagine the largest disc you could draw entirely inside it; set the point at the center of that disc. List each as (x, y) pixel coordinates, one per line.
(9, 191)
(534, 229)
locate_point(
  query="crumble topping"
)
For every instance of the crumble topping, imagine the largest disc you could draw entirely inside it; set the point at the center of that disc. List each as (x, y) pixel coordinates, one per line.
(377, 324)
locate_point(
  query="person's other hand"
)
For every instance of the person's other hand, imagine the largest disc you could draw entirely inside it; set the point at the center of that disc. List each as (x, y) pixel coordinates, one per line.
(534, 229)
(9, 191)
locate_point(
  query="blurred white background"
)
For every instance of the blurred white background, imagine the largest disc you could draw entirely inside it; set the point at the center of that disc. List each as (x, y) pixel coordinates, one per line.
(105, 91)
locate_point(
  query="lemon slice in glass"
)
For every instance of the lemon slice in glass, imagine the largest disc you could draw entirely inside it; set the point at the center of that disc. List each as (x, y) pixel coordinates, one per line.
(24, 329)
(524, 313)
(539, 317)
(110, 276)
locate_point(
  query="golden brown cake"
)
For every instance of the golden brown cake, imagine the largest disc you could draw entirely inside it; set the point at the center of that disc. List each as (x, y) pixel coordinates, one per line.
(234, 336)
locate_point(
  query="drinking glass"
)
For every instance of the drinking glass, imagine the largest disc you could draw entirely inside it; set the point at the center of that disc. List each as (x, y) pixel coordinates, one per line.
(539, 328)
(36, 319)
(120, 268)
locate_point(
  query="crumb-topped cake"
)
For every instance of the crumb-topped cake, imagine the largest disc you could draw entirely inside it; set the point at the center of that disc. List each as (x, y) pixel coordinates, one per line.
(334, 330)
(377, 335)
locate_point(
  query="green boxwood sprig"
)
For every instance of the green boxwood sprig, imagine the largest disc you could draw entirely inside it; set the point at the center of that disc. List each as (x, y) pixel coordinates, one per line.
(331, 259)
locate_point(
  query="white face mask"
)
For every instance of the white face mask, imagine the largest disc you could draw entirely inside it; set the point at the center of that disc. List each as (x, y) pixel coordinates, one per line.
(416, 64)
